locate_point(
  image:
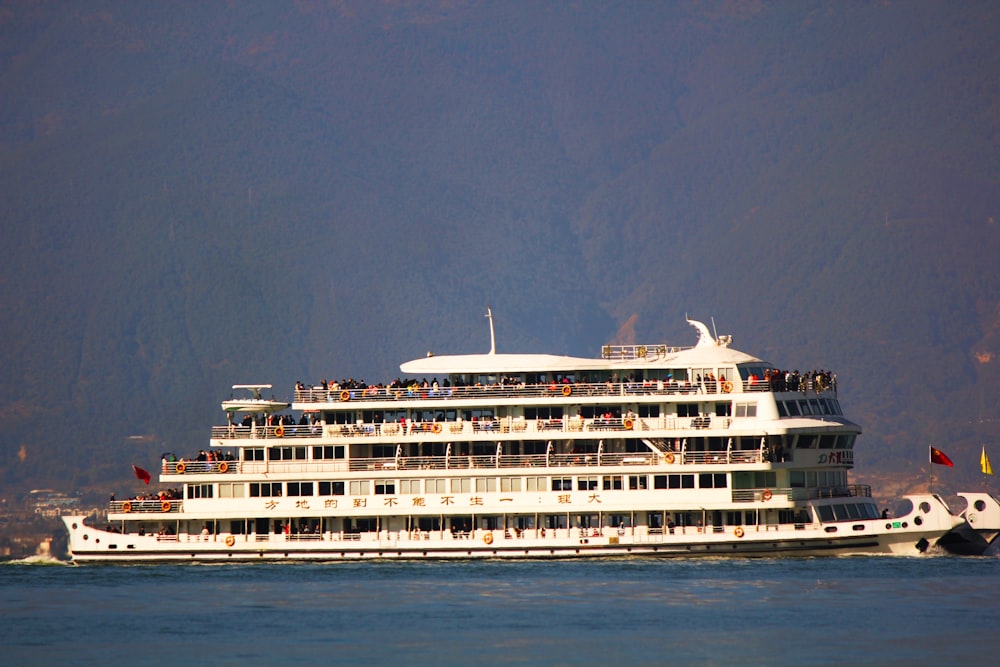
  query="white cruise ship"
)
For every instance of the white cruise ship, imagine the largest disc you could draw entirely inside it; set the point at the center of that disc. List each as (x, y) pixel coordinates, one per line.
(646, 450)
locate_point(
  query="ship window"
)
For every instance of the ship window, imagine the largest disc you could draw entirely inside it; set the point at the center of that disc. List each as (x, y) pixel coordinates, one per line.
(253, 454)
(537, 484)
(436, 485)
(646, 411)
(712, 481)
(612, 483)
(825, 513)
(687, 410)
(265, 489)
(328, 452)
(286, 453)
(854, 512)
(827, 441)
(797, 479)
(385, 487)
(782, 410)
(300, 488)
(659, 481)
(723, 409)
(409, 486)
(543, 413)
(804, 408)
(680, 481)
(586, 483)
(461, 485)
(199, 491)
(750, 409)
(638, 482)
(331, 488)
(361, 487)
(510, 484)
(486, 484)
(232, 490)
(793, 408)
(562, 484)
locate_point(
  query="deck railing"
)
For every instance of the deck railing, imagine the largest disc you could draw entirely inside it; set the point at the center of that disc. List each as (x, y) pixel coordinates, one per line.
(165, 506)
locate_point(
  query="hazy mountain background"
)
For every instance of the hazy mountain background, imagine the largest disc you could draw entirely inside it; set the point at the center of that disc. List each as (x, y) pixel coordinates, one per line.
(199, 194)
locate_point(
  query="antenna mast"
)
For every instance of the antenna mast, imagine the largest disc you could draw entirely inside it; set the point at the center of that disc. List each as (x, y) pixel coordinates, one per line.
(493, 338)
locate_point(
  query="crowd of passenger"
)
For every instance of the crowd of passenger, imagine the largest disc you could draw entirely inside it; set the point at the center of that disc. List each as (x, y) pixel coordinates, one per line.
(779, 380)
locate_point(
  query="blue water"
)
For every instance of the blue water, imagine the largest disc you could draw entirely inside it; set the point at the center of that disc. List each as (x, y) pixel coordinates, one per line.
(824, 611)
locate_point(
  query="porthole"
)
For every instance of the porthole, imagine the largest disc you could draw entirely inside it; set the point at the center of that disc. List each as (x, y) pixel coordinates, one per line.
(86, 537)
(925, 507)
(919, 521)
(74, 525)
(980, 505)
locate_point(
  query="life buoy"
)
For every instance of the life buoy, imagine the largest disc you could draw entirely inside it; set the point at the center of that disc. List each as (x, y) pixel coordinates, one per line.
(165, 506)
(738, 532)
(223, 467)
(279, 431)
(488, 538)
(230, 540)
(126, 506)
(641, 351)
(766, 495)
(181, 467)
(668, 458)
(436, 428)
(628, 424)
(345, 395)
(567, 390)
(727, 387)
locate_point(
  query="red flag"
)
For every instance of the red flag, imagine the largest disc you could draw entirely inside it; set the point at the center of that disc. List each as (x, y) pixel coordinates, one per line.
(144, 476)
(937, 456)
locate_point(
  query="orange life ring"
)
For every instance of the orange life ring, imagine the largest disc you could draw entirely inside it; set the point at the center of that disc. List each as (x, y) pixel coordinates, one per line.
(766, 495)
(165, 506)
(126, 506)
(223, 467)
(345, 395)
(181, 467)
(279, 431)
(668, 458)
(727, 387)
(230, 540)
(436, 428)
(567, 390)
(738, 532)
(488, 538)
(628, 424)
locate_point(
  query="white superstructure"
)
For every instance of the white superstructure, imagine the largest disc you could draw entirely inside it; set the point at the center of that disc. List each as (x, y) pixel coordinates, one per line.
(648, 449)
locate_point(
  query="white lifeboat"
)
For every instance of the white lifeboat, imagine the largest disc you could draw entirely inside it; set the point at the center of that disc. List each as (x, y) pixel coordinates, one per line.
(253, 401)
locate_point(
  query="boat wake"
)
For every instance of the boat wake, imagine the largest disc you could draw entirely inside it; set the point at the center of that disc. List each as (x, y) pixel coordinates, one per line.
(37, 560)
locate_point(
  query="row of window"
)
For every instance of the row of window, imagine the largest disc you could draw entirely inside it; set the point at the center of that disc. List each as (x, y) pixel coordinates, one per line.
(805, 407)
(364, 487)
